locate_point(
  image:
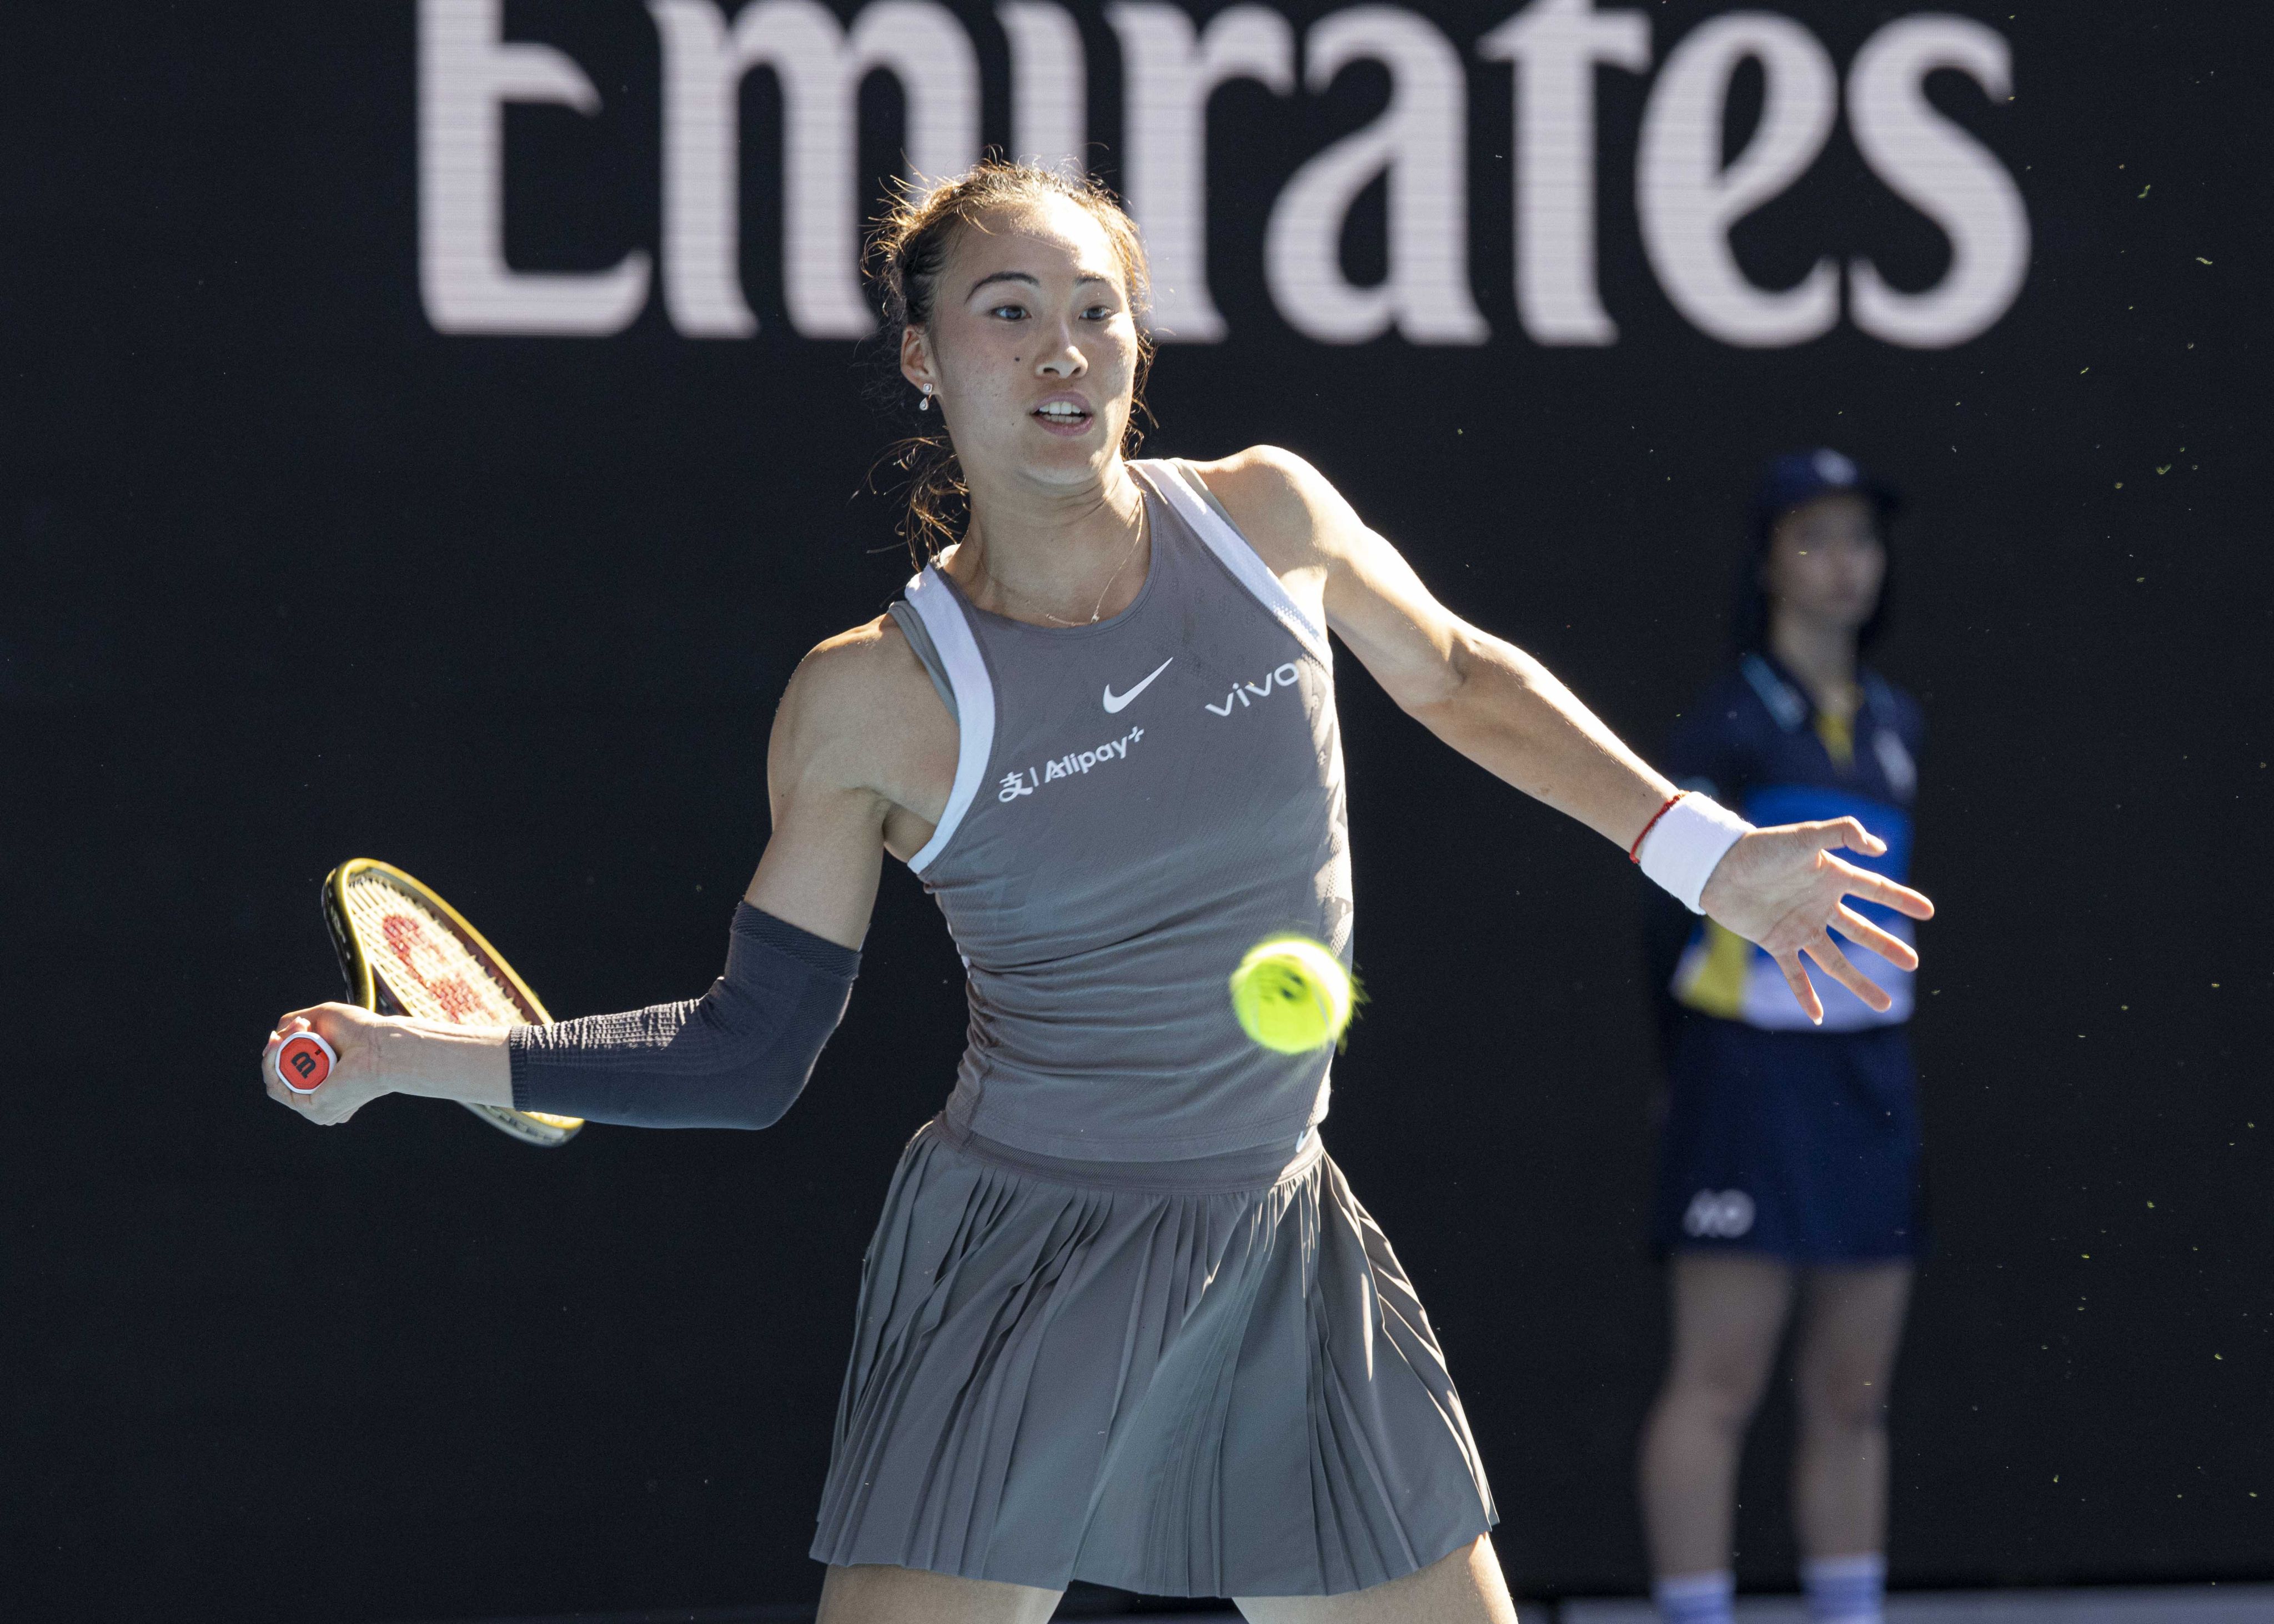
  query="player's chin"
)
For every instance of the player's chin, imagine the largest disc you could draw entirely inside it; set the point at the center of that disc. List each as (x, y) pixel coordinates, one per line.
(1067, 463)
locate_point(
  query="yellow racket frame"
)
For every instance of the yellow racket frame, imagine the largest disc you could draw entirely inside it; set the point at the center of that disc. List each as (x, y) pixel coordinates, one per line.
(530, 1127)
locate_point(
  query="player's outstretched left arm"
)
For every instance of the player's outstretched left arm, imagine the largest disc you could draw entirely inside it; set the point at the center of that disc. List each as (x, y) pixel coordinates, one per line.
(1783, 888)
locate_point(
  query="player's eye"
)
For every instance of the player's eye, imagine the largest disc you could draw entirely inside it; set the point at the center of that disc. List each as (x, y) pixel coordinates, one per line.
(1009, 312)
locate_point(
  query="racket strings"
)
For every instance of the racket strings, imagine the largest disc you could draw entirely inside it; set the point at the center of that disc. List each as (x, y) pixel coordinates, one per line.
(427, 968)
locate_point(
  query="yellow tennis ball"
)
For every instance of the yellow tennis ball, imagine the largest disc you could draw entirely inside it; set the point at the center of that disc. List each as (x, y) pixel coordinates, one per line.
(1292, 994)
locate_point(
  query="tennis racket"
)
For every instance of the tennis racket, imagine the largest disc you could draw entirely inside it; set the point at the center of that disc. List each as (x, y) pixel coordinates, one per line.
(406, 952)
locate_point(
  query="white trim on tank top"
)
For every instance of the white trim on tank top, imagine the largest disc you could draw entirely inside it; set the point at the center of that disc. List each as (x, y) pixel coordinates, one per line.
(1232, 551)
(974, 701)
(944, 618)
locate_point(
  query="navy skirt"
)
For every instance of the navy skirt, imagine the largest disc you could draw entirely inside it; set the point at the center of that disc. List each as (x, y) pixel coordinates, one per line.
(1803, 1145)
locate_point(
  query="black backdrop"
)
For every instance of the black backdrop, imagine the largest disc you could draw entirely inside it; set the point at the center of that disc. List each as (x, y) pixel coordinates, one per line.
(290, 576)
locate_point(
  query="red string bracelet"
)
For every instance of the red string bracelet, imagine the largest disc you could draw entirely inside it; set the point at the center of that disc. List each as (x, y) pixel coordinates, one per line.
(1634, 852)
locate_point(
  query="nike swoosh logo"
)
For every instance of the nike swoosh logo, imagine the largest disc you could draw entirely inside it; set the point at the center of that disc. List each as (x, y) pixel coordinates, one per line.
(1114, 702)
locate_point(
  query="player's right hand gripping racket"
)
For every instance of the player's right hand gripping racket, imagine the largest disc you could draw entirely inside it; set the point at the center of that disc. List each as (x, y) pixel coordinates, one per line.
(406, 952)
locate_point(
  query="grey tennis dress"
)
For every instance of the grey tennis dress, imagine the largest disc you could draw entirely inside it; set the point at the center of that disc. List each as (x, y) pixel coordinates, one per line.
(1122, 1319)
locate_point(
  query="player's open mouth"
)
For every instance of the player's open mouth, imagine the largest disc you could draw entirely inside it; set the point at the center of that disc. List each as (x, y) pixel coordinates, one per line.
(1062, 416)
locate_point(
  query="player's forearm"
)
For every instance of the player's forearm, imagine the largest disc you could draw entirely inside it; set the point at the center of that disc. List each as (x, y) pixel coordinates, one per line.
(1508, 713)
(439, 1062)
(737, 1058)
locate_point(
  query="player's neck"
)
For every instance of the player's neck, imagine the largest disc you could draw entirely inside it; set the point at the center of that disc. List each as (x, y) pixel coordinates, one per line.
(1054, 556)
(1821, 654)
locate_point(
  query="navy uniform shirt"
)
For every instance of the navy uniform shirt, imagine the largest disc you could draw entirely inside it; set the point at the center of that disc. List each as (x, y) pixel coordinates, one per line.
(1758, 745)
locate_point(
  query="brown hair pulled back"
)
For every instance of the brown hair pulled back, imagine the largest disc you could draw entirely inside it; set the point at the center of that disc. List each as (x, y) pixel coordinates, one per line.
(907, 252)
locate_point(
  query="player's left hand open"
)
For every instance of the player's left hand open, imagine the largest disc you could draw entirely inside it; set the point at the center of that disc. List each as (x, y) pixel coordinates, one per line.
(1783, 889)
(354, 1079)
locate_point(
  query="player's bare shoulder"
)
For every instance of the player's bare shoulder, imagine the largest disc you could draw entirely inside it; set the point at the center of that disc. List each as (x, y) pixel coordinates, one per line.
(1289, 513)
(861, 714)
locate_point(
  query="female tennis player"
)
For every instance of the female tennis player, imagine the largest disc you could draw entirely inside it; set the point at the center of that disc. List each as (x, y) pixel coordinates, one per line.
(1789, 1168)
(1122, 1319)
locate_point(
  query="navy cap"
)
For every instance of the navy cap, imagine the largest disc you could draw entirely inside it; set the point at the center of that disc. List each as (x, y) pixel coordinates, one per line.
(1799, 477)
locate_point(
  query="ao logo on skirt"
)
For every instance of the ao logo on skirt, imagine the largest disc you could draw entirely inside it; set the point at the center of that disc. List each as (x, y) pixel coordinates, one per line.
(1719, 1214)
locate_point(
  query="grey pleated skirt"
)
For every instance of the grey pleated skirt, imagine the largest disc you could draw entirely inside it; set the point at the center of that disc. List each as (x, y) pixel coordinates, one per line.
(1184, 1378)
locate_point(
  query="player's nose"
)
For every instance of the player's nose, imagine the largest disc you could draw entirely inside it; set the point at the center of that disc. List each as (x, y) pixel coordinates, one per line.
(1064, 359)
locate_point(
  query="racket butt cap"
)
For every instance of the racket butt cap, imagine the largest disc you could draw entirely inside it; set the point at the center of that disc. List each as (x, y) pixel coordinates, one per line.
(304, 1061)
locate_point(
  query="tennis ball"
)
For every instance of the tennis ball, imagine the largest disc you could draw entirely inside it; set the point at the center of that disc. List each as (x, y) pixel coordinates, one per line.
(1292, 994)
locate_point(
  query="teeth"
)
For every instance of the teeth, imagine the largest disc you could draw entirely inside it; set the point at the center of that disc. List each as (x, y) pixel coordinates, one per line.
(1057, 410)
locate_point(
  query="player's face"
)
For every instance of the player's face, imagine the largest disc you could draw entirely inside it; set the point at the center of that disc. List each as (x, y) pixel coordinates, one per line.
(1032, 346)
(1826, 562)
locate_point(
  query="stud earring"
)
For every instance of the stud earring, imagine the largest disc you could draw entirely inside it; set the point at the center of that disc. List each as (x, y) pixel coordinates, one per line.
(925, 404)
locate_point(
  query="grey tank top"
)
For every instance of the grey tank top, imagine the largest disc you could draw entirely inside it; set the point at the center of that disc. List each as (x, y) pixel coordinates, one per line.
(1136, 804)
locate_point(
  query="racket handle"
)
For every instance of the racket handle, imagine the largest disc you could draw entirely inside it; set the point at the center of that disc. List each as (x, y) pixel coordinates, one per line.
(304, 1061)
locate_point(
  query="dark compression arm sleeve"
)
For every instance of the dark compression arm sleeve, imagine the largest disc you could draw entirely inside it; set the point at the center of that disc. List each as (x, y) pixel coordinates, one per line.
(735, 1058)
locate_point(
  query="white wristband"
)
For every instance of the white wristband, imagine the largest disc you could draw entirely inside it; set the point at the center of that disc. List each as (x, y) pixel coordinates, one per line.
(1688, 838)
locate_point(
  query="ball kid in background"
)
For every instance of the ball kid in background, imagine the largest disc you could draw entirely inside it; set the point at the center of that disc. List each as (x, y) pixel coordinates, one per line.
(1789, 1164)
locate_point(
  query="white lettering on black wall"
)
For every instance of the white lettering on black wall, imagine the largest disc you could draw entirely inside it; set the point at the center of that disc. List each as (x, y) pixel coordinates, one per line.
(466, 75)
(1420, 142)
(1556, 45)
(820, 65)
(1050, 89)
(1942, 172)
(1167, 78)
(1688, 199)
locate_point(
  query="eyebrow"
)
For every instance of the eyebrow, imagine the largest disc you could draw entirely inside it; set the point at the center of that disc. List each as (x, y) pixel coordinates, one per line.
(1032, 280)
